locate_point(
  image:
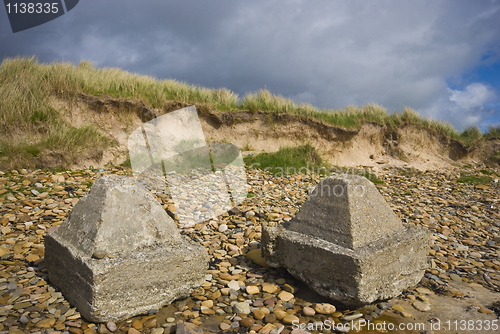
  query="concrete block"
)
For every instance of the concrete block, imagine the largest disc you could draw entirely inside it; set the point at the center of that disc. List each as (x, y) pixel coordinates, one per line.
(119, 254)
(347, 244)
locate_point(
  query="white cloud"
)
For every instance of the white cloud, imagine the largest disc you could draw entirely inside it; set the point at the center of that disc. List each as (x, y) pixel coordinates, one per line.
(462, 108)
(475, 95)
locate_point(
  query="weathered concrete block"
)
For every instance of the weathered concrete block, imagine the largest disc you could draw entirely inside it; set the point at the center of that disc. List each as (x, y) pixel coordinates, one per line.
(148, 263)
(347, 244)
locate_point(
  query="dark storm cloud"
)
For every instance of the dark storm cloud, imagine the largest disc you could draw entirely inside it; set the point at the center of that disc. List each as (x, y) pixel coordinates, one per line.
(329, 53)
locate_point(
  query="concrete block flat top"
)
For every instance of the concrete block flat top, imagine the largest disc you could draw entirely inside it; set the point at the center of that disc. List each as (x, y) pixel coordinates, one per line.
(118, 216)
(348, 211)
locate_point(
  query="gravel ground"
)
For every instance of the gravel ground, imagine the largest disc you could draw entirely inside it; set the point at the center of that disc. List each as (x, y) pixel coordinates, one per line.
(240, 294)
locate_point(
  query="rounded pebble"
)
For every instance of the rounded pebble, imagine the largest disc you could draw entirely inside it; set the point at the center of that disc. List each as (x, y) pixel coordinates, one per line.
(111, 326)
(308, 311)
(247, 322)
(223, 326)
(99, 254)
(290, 319)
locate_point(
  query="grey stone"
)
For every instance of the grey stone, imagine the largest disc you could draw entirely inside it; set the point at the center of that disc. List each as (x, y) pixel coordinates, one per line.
(421, 306)
(99, 254)
(347, 244)
(188, 328)
(277, 330)
(170, 329)
(157, 330)
(351, 317)
(152, 263)
(241, 307)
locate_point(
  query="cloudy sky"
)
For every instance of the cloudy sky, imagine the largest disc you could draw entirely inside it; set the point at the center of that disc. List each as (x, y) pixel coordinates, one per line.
(439, 57)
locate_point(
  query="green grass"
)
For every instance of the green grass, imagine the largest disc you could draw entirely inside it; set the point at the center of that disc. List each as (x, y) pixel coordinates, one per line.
(301, 159)
(289, 160)
(487, 172)
(474, 179)
(33, 150)
(56, 170)
(493, 159)
(349, 117)
(30, 129)
(410, 172)
(126, 163)
(372, 177)
(493, 132)
(67, 80)
(265, 101)
(470, 136)
(66, 144)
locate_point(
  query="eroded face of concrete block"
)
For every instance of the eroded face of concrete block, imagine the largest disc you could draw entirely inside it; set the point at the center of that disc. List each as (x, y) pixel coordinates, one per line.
(119, 254)
(347, 244)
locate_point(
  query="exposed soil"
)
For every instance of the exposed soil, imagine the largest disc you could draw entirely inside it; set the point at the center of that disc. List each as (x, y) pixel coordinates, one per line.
(371, 145)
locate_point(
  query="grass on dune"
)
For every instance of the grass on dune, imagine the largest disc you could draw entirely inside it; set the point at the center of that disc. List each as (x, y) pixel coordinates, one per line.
(27, 85)
(303, 159)
(353, 117)
(288, 160)
(493, 132)
(67, 142)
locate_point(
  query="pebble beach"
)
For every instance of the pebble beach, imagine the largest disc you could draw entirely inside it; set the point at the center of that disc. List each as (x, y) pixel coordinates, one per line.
(241, 293)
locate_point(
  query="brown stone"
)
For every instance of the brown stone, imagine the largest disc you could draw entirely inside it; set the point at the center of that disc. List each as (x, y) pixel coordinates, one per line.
(269, 318)
(45, 323)
(150, 323)
(247, 322)
(32, 258)
(270, 288)
(290, 319)
(137, 324)
(285, 296)
(280, 314)
(258, 314)
(252, 289)
(90, 331)
(486, 310)
(75, 330)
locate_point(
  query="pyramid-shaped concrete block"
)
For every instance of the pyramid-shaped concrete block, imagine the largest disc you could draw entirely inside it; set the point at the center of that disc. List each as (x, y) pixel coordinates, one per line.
(347, 244)
(347, 211)
(119, 254)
